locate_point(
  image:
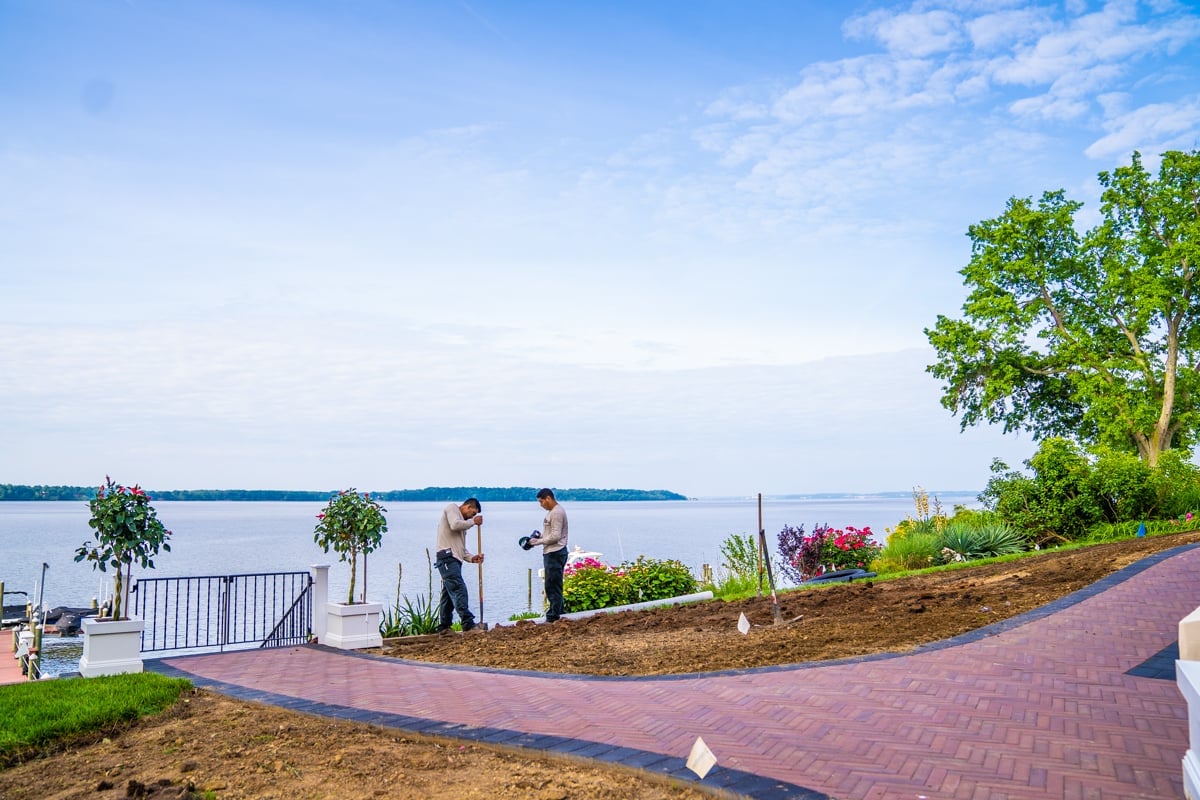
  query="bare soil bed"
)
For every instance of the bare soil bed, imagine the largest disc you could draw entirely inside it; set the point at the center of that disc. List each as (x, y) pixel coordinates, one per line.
(214, 747)
(834, 621)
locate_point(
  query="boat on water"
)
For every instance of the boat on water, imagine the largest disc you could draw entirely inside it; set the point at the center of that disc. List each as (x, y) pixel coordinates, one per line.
(61, 620)
(13, 614)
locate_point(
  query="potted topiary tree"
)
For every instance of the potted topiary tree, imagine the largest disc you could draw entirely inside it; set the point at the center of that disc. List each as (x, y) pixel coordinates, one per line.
(128, 531)
(352, 523)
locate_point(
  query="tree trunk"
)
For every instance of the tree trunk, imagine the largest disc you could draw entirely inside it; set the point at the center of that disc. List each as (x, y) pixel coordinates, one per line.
(116, 609)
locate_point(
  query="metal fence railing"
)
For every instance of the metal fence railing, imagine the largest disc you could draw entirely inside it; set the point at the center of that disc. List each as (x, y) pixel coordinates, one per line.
(270, 609)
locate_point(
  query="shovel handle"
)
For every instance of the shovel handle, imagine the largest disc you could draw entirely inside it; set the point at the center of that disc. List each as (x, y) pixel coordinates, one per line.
(479, 550)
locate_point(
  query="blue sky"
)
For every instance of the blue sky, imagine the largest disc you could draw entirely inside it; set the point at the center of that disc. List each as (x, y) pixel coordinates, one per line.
(684, 245)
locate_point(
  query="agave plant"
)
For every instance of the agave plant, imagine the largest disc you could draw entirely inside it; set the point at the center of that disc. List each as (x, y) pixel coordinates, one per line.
(960, 540)
(998, 539)
(981, 540)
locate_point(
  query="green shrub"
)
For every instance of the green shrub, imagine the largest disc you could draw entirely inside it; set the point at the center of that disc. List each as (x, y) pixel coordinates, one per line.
(1180, 502)
(913, 550)
(974, 517)
(1178, 481)
(740, 554)
(1071, 493)
(1057, 504)
(651, 579)
(1125, 486)
(734, 587)
(1116, 531)
(594, 585)
(737, 575)
(409, 617)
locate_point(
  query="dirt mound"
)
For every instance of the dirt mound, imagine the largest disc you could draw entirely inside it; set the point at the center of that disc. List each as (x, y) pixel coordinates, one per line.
(832, 621)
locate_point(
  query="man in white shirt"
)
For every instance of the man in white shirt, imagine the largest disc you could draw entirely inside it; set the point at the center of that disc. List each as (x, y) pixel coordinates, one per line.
(554, 552)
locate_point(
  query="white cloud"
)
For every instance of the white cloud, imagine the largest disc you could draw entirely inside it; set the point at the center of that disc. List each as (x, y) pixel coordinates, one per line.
(863, 86)
(739, 104)
(952, 76)
(1069, 97)
(911, 33)
(1000, 30)
(1102, 38)
(1152, 129)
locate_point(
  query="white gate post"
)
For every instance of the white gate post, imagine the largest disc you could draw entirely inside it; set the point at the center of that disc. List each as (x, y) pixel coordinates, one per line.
(320, 599)
(1187, 677)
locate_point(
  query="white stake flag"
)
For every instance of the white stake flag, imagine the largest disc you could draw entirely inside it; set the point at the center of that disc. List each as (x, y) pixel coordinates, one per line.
(743, 624)
(701, 759)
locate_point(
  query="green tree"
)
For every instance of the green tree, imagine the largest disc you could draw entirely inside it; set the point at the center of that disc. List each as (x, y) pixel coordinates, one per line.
(1090, 336)
(128, 532)
(351, 523)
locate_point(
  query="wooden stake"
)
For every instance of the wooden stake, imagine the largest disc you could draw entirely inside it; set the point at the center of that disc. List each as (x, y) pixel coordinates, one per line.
(762, 542)
(479, 551)
(760, 546)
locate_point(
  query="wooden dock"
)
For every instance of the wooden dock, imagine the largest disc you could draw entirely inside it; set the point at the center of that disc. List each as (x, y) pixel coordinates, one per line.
(10, 667)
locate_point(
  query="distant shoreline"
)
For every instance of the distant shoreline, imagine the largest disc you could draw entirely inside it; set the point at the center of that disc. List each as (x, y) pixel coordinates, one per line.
(445, 494)
(16, 492)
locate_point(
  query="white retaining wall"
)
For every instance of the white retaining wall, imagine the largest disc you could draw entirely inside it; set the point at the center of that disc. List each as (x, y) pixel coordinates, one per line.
(1187, 676)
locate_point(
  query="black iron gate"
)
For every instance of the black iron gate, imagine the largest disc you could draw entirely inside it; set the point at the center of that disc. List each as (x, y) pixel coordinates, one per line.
(270, 609)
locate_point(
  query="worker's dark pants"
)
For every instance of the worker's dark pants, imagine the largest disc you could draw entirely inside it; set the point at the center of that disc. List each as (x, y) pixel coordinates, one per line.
(552, 569)
(454, 592)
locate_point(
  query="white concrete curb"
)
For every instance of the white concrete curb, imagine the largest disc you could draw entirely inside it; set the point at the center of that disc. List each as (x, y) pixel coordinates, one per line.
(666, 601)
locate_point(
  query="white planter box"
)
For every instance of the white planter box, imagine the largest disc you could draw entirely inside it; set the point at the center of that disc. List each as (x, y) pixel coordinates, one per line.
(353, 627)
(111, 648)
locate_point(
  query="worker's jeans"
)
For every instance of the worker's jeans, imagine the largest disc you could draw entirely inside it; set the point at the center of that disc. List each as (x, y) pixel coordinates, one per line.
(454, 593)
(552, 569)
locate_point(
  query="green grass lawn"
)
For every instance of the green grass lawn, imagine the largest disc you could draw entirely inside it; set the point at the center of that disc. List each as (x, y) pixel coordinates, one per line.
(32, 714)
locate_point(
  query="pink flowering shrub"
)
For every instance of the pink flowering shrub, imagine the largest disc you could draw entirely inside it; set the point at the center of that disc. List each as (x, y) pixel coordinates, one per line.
(806, 557)
(851, 548)
(585, 563)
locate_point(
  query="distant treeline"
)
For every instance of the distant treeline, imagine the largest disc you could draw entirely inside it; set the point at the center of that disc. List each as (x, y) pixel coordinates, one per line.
(446, 494)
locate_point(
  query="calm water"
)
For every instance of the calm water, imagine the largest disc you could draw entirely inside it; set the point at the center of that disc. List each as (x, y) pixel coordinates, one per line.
(218, 538)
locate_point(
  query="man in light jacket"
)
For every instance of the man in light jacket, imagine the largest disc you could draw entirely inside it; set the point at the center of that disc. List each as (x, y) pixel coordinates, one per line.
(452, 551)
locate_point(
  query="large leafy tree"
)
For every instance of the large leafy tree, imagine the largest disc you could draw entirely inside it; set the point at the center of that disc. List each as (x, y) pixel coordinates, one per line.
(1093, 336)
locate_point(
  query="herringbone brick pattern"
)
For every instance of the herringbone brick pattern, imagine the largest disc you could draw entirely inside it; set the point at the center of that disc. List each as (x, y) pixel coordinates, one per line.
(1040, 707)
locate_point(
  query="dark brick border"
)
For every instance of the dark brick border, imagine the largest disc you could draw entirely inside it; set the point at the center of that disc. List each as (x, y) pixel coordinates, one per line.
(720, 781)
